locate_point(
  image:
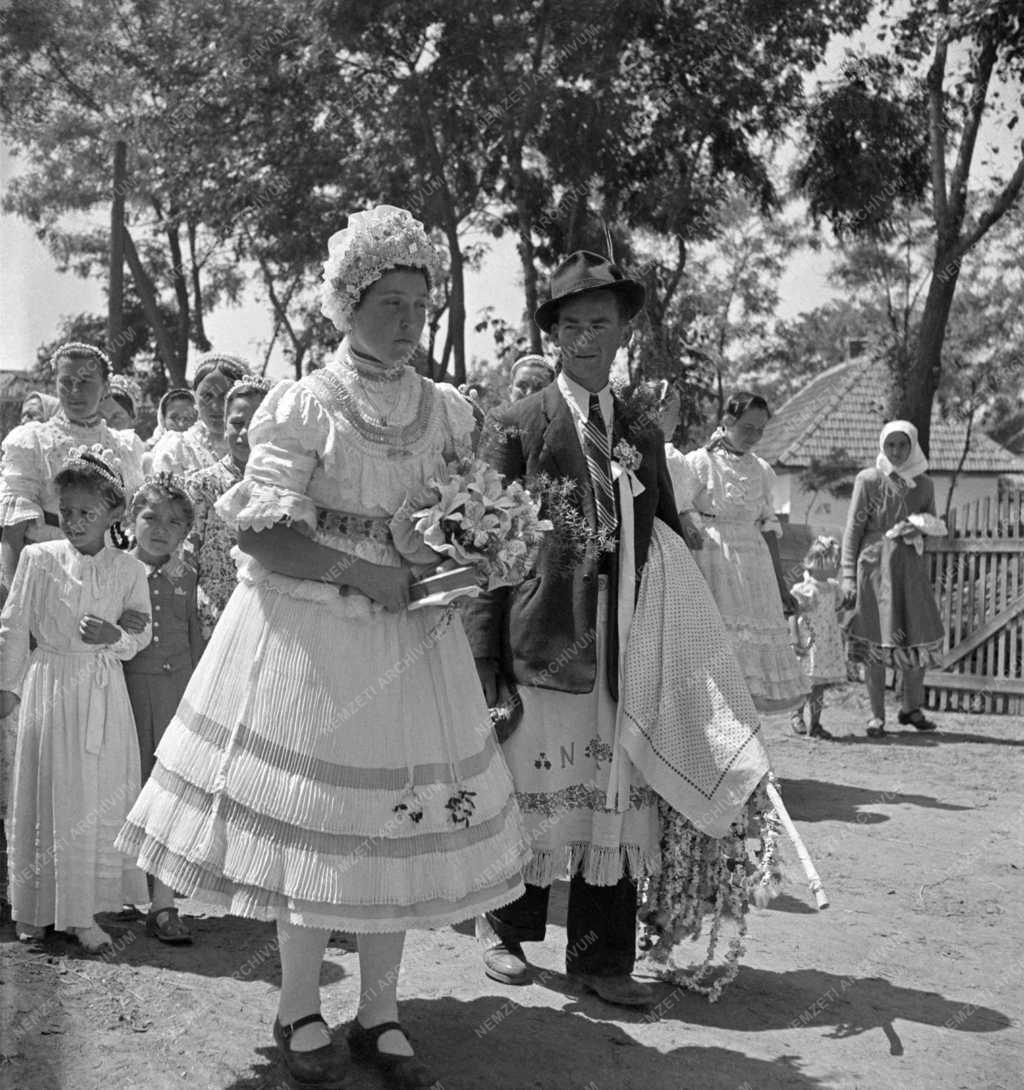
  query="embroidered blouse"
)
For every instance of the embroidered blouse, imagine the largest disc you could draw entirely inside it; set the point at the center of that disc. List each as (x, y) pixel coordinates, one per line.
(211, 540)
(316, 453)
(33, 455)
(184, 452)
(734, 488)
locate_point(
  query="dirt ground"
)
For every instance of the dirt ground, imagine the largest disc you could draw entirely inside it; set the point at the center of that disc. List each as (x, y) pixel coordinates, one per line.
(912, 979)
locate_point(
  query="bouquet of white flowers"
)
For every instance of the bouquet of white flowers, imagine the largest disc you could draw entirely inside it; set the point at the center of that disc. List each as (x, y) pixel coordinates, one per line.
(492, 531)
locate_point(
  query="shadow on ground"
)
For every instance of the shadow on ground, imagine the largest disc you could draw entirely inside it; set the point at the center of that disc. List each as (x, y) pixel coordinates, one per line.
(472, 1047)
(818, 800)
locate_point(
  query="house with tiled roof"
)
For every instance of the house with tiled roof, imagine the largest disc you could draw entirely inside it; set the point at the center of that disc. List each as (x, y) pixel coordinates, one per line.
(844, 409)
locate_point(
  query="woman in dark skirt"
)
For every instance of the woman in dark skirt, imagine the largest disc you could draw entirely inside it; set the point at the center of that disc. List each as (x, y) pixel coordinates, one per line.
(894, 620)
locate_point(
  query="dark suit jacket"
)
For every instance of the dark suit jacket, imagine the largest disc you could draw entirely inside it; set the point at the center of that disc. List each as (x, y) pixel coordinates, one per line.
(543, 632)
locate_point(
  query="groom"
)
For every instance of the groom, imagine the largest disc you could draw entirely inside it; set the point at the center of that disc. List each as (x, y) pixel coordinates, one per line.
(602, 471)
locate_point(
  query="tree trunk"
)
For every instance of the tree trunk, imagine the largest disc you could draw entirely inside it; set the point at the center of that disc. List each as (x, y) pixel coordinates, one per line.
(180, 293)
(202, 341)
(525, 246)
(165, 349)
(457, 313)
(915, 391)
(115, 299)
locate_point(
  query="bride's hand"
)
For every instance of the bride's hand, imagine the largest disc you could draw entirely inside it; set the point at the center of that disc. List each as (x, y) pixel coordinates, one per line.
(389, 586)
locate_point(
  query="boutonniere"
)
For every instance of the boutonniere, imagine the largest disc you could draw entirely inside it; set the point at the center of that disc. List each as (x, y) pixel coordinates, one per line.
(627, 456)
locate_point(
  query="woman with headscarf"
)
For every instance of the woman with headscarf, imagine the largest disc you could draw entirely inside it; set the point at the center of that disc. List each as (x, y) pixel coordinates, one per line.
(184, 452)
(894, 620)
(38, 407)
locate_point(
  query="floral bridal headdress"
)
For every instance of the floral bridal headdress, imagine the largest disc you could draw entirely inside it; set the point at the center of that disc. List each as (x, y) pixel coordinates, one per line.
(383, 238)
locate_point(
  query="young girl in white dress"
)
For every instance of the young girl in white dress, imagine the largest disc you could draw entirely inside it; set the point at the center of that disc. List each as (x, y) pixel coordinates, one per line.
(724, 496)
(818, 638)
(332, 764)
(34, 452)
(76, 770)
(203, 444)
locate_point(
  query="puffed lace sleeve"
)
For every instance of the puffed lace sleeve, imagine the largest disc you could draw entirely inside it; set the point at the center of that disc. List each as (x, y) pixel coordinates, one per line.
(168, 456)
(131, 451)
(16, 621)
(459, 422)
(21, 481)
(287, 438)
(803, 592)
(685, 484)
(767, 519)
(695, 482)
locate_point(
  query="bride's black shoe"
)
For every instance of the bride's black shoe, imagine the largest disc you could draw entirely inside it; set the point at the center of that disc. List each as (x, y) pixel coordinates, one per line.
(317, 1068)
(402, 1072)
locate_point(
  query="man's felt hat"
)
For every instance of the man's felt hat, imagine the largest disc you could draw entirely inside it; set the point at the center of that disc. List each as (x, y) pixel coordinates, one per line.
(584, 272)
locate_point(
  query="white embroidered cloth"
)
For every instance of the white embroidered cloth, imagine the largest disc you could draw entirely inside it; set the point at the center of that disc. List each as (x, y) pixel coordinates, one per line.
(690, 726)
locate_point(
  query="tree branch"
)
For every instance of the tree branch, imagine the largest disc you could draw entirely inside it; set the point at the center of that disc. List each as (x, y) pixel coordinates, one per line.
(1000, 206)
(937, 132)
(965, 153)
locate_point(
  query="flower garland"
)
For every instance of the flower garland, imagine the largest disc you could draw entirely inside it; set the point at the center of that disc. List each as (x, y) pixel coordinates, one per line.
(702, 876)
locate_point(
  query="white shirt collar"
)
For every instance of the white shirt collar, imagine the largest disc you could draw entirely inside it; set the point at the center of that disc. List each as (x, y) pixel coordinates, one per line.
(578, 398)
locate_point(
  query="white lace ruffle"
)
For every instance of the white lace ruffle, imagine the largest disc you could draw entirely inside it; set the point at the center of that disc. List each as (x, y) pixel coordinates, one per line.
(250, 505)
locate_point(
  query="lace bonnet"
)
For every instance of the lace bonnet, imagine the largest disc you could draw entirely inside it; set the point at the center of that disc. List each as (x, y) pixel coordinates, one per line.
(383, 238)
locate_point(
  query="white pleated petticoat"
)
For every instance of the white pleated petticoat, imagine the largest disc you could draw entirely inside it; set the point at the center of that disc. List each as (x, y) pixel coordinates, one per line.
(334, 765)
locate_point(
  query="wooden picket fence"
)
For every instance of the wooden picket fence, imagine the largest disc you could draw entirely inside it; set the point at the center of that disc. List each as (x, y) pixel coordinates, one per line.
(978, 575)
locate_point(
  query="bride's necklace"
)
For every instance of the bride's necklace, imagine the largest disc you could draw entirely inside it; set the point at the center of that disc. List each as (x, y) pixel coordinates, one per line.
(383, 414)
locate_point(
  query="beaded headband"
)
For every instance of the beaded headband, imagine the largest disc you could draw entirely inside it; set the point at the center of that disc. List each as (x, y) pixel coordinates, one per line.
(383, 238)
(233, 367)
(80, 348)
(100, 460)
(257, 384)
(122, 384)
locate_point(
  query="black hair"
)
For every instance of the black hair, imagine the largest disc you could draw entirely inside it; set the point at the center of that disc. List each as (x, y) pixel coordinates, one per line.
(741, 401)
(162, 488)
(124, 401)
(86, 470)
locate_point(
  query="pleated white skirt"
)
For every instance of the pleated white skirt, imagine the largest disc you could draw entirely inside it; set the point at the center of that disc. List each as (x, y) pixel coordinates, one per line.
(332, 766)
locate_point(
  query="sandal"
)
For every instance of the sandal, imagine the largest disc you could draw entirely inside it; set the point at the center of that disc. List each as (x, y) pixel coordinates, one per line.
(818, 731)
(169, 928)
(918, 720)
(876, 728)
(401, 1072)
(796, 721)
(316, 1068)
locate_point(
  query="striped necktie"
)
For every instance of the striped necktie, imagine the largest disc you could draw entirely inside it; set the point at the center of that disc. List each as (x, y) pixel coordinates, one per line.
(598, 453)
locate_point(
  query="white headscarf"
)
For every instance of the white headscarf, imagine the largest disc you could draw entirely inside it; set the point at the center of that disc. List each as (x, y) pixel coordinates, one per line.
(916, 464)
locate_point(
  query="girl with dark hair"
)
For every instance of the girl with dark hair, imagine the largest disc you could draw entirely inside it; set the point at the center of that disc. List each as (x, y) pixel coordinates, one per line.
(161, 515)
(76, 766)
(203, 444)
(33, 453)
(724, 496)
